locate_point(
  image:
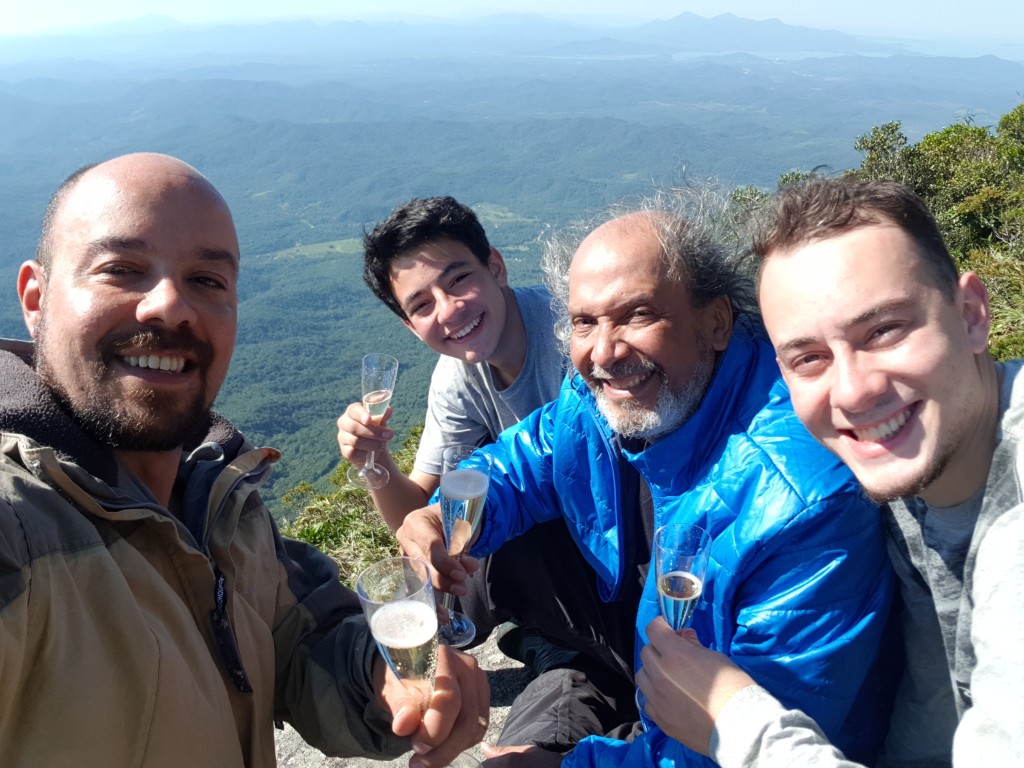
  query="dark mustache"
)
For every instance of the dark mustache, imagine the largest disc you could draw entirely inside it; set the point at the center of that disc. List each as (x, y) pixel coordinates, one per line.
(155, 340)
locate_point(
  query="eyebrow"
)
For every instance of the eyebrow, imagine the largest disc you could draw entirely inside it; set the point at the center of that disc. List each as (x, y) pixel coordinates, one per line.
(634, 302)
(453, 266)
(867, 316)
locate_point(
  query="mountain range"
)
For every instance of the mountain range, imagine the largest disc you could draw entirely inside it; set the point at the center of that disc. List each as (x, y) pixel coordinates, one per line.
(314, 131)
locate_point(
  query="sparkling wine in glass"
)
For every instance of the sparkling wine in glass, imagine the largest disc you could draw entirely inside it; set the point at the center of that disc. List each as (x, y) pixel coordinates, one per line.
(463, 495)
(398, 601)
(378, 375)
(681, 555)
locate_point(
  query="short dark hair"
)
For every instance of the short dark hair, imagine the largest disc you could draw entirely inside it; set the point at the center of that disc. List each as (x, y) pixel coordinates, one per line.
(419, 221)
(44, 249)
(827, 207)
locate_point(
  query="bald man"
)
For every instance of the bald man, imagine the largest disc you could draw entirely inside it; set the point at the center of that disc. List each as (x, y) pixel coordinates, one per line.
(150, 614)
(676, 414)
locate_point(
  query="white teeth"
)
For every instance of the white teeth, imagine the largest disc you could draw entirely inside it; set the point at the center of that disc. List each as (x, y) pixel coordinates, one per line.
(626, 383)
(469, 328)
(157, 362)
(629, 383)
(884, 430)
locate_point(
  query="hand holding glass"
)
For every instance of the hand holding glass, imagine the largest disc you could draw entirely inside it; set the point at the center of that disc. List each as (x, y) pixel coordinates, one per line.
(398, 601)
(681, 555)
(463, 495)
(379, 374)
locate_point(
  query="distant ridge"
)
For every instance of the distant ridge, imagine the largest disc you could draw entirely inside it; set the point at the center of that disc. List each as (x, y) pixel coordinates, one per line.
(727, 32)
(502, 34)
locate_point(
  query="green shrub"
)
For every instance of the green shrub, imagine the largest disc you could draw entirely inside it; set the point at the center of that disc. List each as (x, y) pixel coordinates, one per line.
(343, 522)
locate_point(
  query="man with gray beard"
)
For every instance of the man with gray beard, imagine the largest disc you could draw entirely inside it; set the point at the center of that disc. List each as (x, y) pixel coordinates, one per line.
(675, 413)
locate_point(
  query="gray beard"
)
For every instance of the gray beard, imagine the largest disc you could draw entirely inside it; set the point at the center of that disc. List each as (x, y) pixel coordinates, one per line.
(672, 409)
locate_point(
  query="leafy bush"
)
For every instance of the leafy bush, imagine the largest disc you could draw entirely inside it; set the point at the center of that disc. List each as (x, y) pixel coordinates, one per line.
(343, 522)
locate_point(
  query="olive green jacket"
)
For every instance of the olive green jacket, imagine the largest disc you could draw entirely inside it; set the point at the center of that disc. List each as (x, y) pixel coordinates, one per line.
(129, 637)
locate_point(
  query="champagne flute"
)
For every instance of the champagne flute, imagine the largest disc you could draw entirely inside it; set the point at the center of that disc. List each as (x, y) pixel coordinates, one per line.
(398, 601)
(379, 373)
(463, 494)
(681, 554)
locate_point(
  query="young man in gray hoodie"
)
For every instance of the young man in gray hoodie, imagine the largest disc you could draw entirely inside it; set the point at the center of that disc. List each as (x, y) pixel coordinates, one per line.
(884, 349)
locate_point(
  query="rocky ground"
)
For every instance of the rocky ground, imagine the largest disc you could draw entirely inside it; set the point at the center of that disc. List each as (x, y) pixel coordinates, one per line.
(507, 679)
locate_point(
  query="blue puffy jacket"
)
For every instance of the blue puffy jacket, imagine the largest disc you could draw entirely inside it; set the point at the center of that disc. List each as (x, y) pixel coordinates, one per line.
(798, 588)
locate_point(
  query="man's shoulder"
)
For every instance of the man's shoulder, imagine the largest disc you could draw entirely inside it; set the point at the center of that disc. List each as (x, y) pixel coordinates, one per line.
(35, 519)
(534, 295)
(23, 349)
(777, 443)
(1011, 399)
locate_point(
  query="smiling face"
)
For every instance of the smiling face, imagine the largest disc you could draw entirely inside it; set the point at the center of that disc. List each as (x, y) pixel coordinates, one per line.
(453, 303)
(645, 352)
(134, 316)
(884, 369)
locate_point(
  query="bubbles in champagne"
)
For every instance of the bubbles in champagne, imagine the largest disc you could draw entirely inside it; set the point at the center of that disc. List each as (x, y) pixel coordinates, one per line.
(463, 495)
(677, 596)
(376, 403)
(464, 484)
(406, 632)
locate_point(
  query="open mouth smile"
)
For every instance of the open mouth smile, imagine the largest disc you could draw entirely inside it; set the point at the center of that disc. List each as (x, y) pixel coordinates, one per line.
(626, 384)
(462, 333)
(883, 431)
(169, 363)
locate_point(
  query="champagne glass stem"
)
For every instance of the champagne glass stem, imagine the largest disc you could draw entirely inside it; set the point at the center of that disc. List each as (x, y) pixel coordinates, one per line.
(448, 604)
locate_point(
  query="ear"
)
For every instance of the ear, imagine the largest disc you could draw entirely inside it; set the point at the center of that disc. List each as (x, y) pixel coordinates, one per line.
(972, 300)
(496, 265)
(717, 323)
(31, 284)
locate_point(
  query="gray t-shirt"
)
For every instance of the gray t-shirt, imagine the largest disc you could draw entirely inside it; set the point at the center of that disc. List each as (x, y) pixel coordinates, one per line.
(465, 404)
(961, 570)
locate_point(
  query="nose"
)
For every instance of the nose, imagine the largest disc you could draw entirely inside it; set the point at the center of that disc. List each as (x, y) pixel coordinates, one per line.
(447, 306)
(166, 303)
(857, 384)
(608, 346)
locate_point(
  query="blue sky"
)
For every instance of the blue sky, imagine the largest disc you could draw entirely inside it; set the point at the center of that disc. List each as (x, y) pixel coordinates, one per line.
(928, 19)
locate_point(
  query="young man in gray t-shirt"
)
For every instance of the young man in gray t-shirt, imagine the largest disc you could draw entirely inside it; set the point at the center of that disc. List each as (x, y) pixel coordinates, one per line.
(431, 264)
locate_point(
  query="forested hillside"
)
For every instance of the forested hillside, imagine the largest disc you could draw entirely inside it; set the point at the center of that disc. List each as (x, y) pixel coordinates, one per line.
(314, 132)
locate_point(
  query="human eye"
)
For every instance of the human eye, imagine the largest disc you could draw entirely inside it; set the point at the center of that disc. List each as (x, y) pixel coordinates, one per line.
(116, 269)
(581, 325)
(806, 363)
(460, 281)
(419, 309)
(214, 282)
(884, 331)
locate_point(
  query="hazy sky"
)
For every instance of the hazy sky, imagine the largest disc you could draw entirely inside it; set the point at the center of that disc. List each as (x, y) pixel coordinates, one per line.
(980, 19)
